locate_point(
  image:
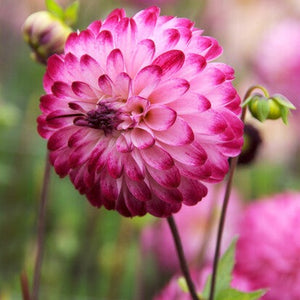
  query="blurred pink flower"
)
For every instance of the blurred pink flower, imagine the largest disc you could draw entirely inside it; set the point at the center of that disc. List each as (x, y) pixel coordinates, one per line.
(269, 246)
(278, 62)
(193, 225)
(138, 116)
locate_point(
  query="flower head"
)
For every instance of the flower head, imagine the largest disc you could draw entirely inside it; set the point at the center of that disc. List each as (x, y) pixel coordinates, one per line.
(269, 246)
(138, 116)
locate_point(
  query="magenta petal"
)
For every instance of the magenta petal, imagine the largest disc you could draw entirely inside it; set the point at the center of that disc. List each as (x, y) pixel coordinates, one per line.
(83, 90)
(169, 195)
(81, 154)
(132, 169)
(157, 158)
(162, 209)
(62, 90)
(123, 144)
(196, 104)
(147, 80)
(95, 27)
(105, 84)
(192, 191)
(160, 117)
(180, 133)
(109, 189)
(114, 64)
(60, 162)
(141, 138)
(105, 44)
(136, 207)
(170, 61)
(60, 138)
(169, 91)
(169, 178)
(138, 189)
(114, 164)
(122, 85)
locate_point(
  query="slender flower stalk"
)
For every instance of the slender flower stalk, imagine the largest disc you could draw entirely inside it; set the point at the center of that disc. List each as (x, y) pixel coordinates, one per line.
(233, 165)
(41, 231)
(182, 259)
(24, 286)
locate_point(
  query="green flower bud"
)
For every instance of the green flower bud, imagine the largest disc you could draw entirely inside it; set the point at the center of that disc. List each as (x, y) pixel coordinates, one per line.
(46, 34)
(264, 107)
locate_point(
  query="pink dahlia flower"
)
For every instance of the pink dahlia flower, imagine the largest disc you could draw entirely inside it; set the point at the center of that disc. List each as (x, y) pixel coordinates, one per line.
(269, 246)
(138, 116)
(277, 60)
(196, 227)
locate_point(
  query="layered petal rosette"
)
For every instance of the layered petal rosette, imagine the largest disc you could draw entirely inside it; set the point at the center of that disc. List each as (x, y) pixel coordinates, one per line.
(138, 116)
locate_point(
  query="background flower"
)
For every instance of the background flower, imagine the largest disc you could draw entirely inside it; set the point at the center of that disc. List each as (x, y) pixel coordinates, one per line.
(138, 115)
(269, 245)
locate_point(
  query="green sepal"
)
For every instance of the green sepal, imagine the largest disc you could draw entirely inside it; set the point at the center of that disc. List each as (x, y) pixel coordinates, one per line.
(284, 114)
(263, 110)
(283, 101)
(71, 13)
(55, 9)
(251, 98)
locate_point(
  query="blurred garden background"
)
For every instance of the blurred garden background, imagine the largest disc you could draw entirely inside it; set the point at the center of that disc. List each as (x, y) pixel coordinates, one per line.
(94, 253)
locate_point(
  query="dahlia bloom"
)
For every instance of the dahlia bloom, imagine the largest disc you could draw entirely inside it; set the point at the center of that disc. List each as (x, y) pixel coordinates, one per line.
(138, 116)
(269, 246)
(193, 226)
(277, 62)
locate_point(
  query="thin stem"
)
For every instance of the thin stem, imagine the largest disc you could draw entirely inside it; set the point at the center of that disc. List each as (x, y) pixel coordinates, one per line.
(24, 286)
(233, 164)
(183, 264)
(41, 231)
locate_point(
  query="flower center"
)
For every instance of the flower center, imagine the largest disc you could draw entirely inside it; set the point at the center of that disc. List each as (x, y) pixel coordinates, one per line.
(104, 117)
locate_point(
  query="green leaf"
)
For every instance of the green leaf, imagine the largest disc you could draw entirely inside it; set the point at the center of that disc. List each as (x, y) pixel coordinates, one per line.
(225, 267)
(232, 294)
(55, 9)
(71, 13)
(284, 114)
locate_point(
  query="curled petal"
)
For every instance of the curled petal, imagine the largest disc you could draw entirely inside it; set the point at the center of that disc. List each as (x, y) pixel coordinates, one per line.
(139, 189)
(141, 138)
(160, 117)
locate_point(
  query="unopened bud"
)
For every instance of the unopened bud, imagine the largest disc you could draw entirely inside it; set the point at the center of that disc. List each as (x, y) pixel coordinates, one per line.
(46, 34)
(274, 107)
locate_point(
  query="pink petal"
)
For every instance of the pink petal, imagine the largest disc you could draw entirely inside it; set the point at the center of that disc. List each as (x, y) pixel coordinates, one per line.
(193, 65)
(114, 64)
(136, 207)
(169, 39)
(80, 136)
(169, 195)
(83, 90)
(60, 138)
(95, 27)
(180, 133)
(123, 144)
(114, 165)
(79, 43)
(141, 138)
(169, 178)
(81, 154)
(132, 169)
(103, 45)
(190, 103)
(202, 172)
(63, 91)
(169, 91)
(60, 162)
(157, 158)
(122, 85)
(170, 61)
(146, 21)
(105, 84)
(208, 122)
(49, 103)
(147, 80)
(60, 118)
(141, 56)
(90, 70)
(160, 117)
(192, 191)
(109, 189)
(161, 209)
(138, 189)
(187, 154)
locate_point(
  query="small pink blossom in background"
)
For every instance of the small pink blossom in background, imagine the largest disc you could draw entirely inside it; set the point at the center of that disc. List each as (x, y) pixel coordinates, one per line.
(268, 249)
(193, 225)
(277, 62)
(138, 115)
(144, 3)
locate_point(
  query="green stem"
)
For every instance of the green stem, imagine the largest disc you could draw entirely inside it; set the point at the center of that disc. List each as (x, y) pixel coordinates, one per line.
(233, 164)
(182, 260)
(41, 231)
